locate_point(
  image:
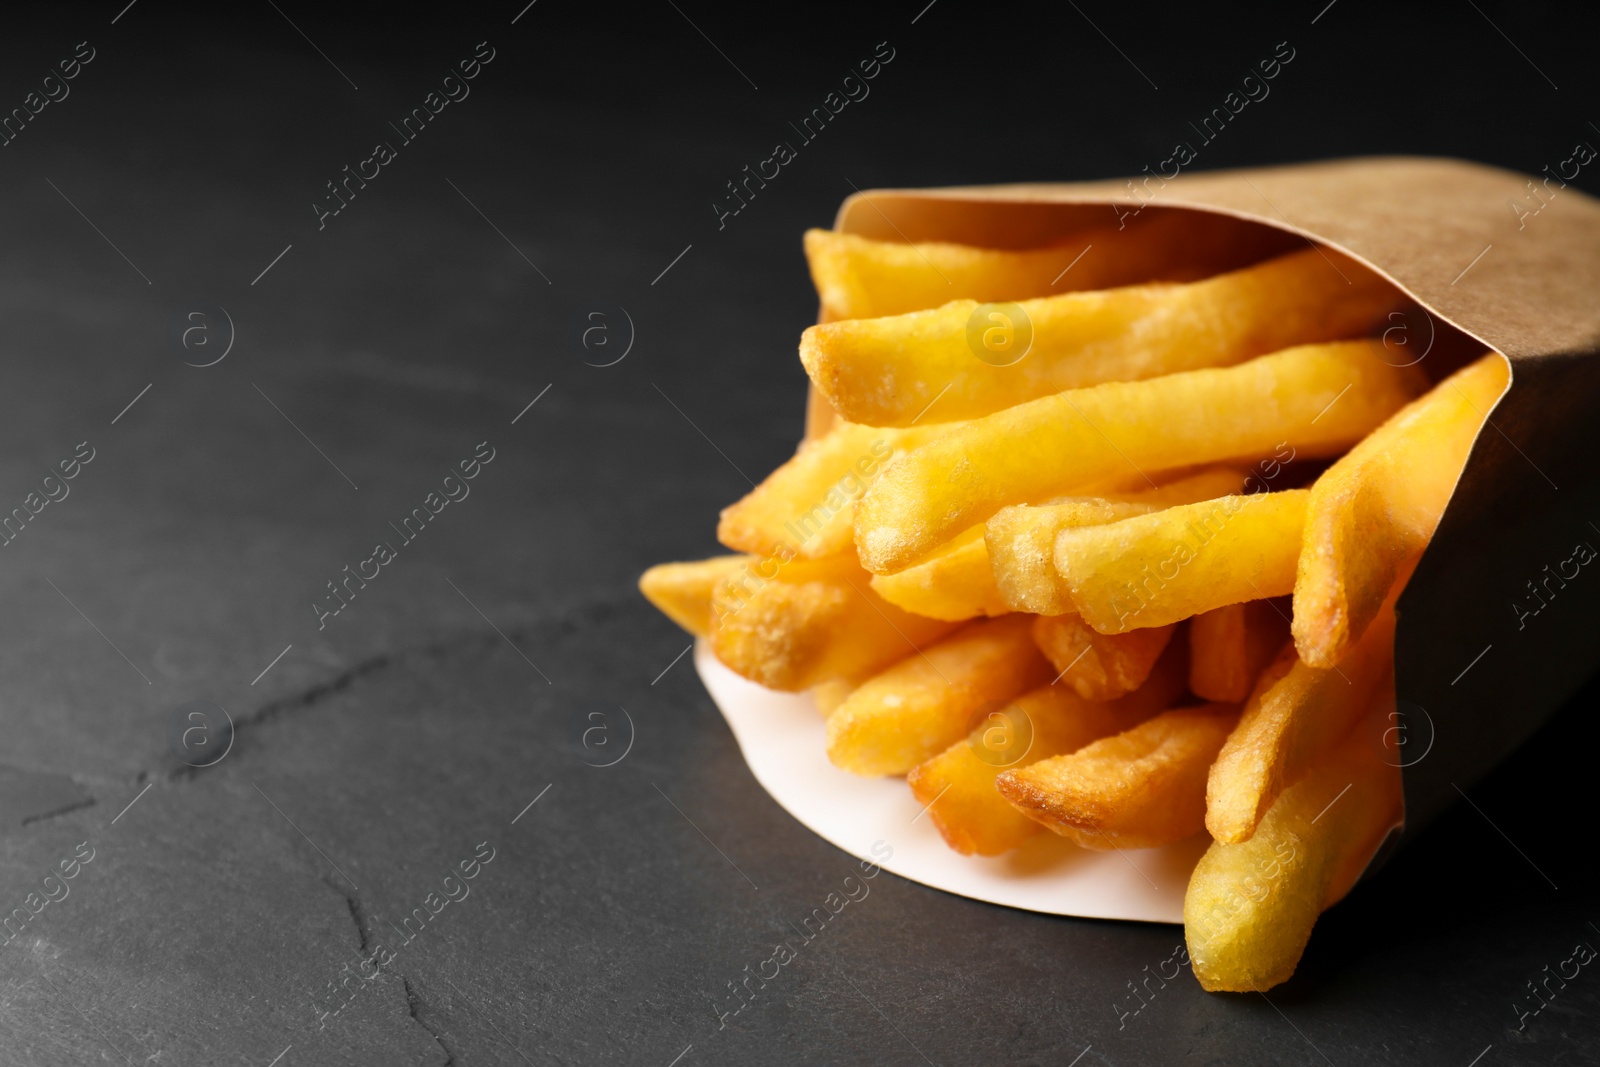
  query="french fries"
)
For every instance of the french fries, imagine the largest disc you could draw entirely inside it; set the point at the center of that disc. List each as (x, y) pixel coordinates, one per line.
(859, 278)
(954, 582)
(795, 625)
(683, 591)
(1143, 788)
(1374, 510)
(1154, 570)
(1094, 665)
(957, 786)
(1021, 539)
(1230, 646)
(981, 577)
(1297, 713)
(886, 371)
(804, 507)
(1323, 398)
(922, 705)
(1250, 907)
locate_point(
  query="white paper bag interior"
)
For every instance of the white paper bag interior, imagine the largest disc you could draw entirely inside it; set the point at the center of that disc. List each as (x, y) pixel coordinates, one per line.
(782, 738)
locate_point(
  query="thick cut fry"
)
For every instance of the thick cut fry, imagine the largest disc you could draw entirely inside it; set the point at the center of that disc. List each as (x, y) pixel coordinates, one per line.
(884, 372)
(922, 705)
(859, 278)
(1296, 715)
(957, 786)
(683, 591)
(1250, 907)
(804, 507)
(954, 582)
(1229, 647)
(1094, 665)
(1375, 510)
(1321, 398)
(1157, 569)
(1021, 539)
(1143, 788)
(798, 624)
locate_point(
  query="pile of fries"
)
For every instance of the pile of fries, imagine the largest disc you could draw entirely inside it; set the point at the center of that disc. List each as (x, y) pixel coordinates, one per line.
(1115, 562)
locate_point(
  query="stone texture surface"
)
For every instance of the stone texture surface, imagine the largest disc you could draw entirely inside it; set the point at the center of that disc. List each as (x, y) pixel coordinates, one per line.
(384, 749)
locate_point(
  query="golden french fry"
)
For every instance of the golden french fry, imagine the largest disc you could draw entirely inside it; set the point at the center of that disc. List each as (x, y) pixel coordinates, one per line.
(1319, 397)
(1152, 570)
(1297, 714)
(804, 507)
(925, 703)
(1230, 646)
(858, 278)
(1021, 538)
(1250, 907)
(886, 371)
(1143, 788)
(1375, 509)
(953, 582)
(682, 591)
(957, 786)
(1094, 665)
(796, 624)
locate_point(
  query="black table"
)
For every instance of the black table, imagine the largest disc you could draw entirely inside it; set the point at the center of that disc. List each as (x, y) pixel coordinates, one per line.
(174, 198)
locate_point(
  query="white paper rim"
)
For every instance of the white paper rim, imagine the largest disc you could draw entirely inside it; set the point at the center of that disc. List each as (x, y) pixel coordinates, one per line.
(782, 737)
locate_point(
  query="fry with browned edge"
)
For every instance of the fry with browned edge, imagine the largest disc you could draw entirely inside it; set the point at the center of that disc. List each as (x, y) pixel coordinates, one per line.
(957, 787)
(923, 704)
(795, 624)
(1230, 646)
(1094, 665)
(1143, 788)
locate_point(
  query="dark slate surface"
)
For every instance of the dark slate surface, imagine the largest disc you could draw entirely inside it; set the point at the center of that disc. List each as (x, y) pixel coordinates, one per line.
(410, 734)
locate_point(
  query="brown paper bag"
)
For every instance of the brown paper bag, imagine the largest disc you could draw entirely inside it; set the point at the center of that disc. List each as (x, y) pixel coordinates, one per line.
(1501, 621)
